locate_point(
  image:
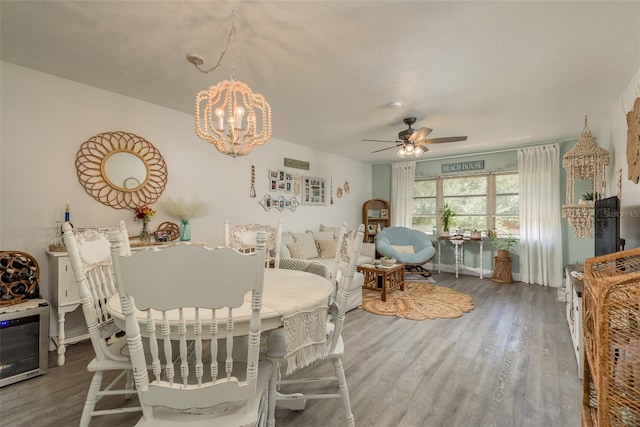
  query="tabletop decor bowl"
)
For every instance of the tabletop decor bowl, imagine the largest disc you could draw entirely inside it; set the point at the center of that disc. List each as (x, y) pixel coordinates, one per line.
(388, 262)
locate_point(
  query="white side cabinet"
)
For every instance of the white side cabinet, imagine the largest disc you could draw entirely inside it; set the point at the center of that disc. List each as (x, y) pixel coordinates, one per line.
(574, 313)
(64, 299)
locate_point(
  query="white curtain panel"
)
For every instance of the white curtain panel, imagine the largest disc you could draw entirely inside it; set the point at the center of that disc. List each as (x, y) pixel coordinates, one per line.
(540, 215)
(402, 177)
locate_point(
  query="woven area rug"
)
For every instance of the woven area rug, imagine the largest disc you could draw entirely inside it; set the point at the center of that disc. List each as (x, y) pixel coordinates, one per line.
(419, 301)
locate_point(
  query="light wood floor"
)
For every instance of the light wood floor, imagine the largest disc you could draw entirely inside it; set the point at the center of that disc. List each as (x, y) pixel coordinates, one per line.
(507, 363)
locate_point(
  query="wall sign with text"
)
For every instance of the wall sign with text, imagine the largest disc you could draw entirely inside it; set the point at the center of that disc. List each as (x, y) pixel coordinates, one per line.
(463, 166)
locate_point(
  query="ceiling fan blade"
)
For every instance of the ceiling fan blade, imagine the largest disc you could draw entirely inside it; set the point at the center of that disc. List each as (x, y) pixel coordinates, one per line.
(380, 140)
(383, 149)
(420, 134)
(442, 140)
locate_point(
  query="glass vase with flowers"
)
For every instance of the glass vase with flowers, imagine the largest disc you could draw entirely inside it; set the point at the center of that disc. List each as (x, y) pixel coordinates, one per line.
(144, 214)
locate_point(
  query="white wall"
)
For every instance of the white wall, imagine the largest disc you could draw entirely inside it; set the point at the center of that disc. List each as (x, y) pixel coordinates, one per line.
(45, 119)
(613, 137)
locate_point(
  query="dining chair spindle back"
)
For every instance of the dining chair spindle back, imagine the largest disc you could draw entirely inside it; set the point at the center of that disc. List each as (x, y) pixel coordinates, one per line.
(276, 351)
(89, 253)
(203, 384)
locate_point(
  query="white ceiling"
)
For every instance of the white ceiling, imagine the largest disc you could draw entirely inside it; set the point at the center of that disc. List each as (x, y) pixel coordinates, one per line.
(504, 73)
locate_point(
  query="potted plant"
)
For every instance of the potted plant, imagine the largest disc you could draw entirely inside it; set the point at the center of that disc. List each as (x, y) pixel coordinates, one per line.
(387, 261)
(589, 197)
(446, 215)
(503, 244)
(475, 235)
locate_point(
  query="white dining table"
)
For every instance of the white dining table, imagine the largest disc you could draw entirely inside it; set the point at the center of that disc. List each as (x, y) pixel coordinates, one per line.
(289, 289)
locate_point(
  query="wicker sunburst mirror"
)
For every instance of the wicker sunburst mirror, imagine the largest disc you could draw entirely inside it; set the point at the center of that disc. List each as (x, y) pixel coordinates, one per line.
(121, 170)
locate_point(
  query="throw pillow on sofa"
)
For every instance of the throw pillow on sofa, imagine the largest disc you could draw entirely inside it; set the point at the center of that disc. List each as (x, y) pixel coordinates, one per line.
(334, 230)
(287, 239)
(322, 235)
(307, 244)
(296, 251)
(327, 248)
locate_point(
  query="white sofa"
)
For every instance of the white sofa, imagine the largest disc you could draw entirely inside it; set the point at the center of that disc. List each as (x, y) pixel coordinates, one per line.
(315, 252)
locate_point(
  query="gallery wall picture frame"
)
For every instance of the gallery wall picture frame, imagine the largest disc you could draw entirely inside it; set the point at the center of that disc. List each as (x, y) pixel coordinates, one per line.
(314, 191)
(280, 180)
(280, 203)
(375, 213)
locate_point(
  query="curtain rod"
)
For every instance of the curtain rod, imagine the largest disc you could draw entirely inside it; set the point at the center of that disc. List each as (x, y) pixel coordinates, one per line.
(505, 150)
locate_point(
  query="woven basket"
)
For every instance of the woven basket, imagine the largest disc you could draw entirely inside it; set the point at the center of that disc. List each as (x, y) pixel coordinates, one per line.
(611, 323)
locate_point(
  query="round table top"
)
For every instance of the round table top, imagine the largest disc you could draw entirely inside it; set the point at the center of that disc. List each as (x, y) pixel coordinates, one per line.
(284, 290)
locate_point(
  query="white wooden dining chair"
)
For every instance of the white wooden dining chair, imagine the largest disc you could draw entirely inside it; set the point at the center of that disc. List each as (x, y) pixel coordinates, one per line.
(276, 351)
(126, 245)
(90, 257)
(339, 261)
(191, 387)
(243, 239)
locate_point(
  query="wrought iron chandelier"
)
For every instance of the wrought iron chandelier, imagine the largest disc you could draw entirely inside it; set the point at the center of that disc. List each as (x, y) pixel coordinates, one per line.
(229, 115)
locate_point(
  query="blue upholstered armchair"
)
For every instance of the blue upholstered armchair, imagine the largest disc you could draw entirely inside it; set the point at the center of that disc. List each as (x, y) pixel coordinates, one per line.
(413, 248)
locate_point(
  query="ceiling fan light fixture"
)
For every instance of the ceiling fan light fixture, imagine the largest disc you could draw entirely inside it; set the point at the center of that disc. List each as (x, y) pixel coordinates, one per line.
(414, 141)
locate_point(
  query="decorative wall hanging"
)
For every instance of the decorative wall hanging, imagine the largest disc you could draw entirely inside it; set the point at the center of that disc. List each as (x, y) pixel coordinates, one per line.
(633, 142)
(229, 115)
(331, 192)
(297, 184)
(314, 191)
(280, 180)
(296, 164)
(109, 165)
(279, 202)
(252, 190)
(347, 190)
(585, 161)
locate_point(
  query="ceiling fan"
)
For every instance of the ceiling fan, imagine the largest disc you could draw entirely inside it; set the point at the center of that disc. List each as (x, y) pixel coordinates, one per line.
(413, 141)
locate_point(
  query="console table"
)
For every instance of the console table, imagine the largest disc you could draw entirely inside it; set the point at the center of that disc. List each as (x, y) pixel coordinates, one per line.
(459, 252)
(65, 297)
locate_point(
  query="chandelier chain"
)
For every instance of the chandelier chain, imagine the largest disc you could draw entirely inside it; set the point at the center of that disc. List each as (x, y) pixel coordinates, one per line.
(232, 34)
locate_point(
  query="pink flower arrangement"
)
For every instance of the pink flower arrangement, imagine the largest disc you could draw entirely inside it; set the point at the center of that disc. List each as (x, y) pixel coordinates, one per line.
(144, 213)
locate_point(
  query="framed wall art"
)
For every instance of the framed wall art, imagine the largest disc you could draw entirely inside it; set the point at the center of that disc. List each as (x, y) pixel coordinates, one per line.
(280, 180)
(280, 203)
(314, 191)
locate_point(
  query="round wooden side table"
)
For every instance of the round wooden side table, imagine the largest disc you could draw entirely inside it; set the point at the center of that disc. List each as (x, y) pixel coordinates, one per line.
(502, 270)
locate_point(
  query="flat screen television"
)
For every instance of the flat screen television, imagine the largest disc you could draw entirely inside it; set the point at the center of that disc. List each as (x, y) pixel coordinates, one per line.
(607, 226)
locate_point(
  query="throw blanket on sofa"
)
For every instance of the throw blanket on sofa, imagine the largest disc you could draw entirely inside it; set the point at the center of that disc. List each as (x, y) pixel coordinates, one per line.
(294, 264)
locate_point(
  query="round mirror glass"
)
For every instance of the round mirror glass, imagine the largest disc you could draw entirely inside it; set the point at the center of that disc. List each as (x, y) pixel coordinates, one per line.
(125, 170)
(121, 170)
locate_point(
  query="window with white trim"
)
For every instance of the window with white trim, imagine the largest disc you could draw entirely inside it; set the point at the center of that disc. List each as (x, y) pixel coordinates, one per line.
(481, 202)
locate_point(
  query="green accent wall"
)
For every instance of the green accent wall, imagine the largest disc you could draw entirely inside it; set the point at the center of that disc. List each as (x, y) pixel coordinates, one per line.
(574, 250)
